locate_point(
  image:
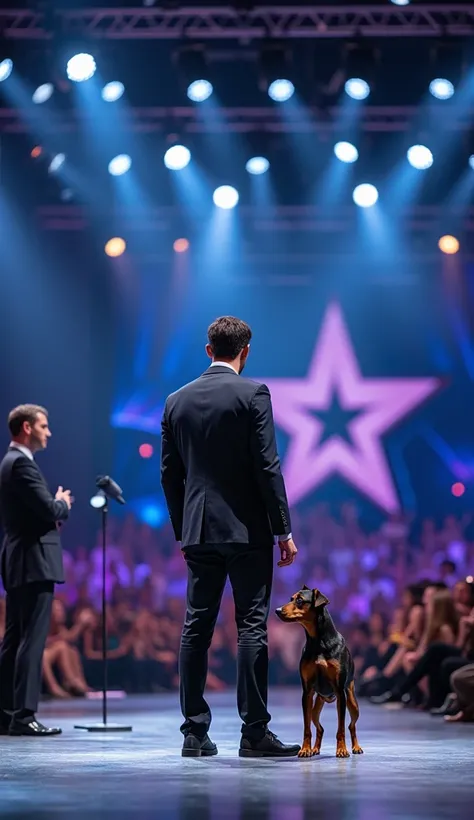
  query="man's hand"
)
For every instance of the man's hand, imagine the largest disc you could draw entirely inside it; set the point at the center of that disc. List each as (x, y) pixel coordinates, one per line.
(64, 495)
(288, 552)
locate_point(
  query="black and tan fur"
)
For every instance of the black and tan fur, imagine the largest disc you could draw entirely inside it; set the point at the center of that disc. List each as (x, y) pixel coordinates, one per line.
(326, 669)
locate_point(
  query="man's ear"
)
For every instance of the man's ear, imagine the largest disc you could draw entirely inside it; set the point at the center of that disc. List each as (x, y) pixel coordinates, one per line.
(318, 599)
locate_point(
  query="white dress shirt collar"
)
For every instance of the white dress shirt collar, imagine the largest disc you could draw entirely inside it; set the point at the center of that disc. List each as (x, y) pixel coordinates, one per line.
(21, 447)
(224, 364)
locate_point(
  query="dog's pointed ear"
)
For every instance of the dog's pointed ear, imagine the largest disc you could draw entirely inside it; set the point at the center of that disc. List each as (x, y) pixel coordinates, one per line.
(305, 587)
(319, 599)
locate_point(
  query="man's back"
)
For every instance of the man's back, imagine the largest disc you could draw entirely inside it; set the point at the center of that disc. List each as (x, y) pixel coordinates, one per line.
(220, 465)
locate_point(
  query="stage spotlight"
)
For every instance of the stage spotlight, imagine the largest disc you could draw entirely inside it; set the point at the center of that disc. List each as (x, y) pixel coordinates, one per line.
(120, 165)
(36, 152)
(177, 157)
(146, 450)
(56, 163)
(257, 166)
(200, 90)
(43, 93)
(80, 68)
(275, 71)
(181, 245)
(98, 501)
(400, 2)
(6, 68)
(113, 91)
(458, 489)
(357, 88)
(448, 244)
(346, 152)
(365, 196)
(441, 89)
(281, 90)
(226, 197)
(471, 161)
(420, 157)
(115, 246)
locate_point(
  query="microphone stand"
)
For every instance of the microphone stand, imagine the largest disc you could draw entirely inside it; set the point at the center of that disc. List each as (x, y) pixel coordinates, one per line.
(105, 726)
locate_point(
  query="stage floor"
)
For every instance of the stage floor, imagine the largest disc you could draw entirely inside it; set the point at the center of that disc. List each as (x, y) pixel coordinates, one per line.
(414, 767)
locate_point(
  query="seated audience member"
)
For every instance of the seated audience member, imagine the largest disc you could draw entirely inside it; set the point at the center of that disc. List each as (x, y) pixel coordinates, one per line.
(441, 657)
(463, 595)
(409, 634)
(61, 653)
(118, 648)
(462, 683)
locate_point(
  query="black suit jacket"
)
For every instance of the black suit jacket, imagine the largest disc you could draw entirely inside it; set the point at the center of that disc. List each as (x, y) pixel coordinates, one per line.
(31, 549)
(220, 469)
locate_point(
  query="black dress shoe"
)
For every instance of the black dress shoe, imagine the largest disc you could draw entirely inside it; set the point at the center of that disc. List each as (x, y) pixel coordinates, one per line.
(390, 697)
(194, 746)
(5, 720)
(33, 729)
(268, 746)
(449, 707)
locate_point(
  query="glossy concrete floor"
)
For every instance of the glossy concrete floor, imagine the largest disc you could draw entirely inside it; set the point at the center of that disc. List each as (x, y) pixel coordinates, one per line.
(414, 767)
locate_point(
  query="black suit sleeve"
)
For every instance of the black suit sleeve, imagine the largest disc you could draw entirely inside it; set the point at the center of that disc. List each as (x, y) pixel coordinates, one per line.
(267, 463)
(172, 477)
(35, 493)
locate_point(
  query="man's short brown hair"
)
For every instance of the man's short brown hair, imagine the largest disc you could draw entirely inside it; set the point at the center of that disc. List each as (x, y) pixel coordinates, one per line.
(228, 336)
(22, 413)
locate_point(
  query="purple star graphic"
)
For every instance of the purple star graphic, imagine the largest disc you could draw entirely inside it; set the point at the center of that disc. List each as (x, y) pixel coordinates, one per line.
(334, 371)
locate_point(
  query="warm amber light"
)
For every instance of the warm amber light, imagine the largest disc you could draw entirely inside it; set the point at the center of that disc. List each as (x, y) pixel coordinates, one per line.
(181, 245)
(448, 244)
(36, 152)
(115, 246)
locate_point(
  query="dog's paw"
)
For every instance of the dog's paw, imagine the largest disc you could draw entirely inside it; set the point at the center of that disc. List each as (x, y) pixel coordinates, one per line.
(316, 750)
(357, 750)
(342, 752)
(305, 752)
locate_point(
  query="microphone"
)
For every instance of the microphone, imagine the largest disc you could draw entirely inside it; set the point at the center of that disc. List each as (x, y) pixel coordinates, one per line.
(110, 488)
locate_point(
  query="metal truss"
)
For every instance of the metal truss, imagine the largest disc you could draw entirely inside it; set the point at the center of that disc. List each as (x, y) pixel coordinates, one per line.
(265, 120)
(286, 218)
(207, 23)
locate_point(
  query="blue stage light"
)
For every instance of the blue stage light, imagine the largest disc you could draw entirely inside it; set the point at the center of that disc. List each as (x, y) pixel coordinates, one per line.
(113, 91)
(43, 93)
(177, 157)
(226, 197)
(441, 89)
(346, 152)
(420, 157)
(257, 165)
(281, 90)
(80, 68)
(200, 90)
(365, 196)
(357, 88)
(6, 68)
(120, 165)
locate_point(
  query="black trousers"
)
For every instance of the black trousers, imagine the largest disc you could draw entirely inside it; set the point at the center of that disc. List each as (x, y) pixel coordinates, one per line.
(250, 570)
(28, 617)
(438, 663)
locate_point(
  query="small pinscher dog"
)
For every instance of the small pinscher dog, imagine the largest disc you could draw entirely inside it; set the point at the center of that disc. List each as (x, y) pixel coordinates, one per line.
(326, 669)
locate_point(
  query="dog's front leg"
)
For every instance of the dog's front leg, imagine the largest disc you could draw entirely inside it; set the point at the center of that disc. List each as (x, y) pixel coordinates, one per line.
(307, 703)
(341, 748)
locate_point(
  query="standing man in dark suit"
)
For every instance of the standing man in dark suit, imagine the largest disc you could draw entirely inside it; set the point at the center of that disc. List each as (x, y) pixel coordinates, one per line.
(31, 563)
(226, 497)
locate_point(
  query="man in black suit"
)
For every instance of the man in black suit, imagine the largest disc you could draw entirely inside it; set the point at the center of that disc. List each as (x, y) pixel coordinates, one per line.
(226, 497)
(31, 563)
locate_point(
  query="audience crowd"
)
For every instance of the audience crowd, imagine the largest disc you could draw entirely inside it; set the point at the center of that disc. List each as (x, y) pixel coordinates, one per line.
(401, 594)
